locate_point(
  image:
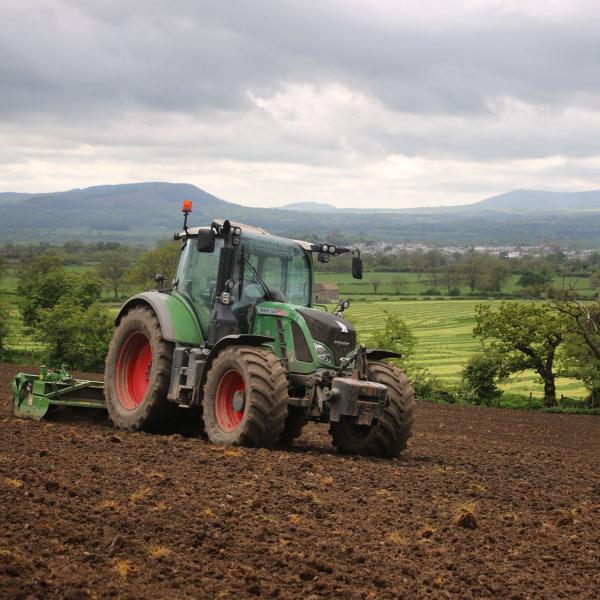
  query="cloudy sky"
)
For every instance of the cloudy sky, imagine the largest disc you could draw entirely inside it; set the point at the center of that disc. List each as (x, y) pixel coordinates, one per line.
(357, 103)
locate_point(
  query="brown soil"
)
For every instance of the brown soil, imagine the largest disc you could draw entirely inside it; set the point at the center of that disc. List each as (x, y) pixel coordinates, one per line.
(484, 503)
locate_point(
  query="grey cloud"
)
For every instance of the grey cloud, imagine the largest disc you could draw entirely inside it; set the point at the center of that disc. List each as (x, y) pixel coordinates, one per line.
(79, 56)
(116, 75)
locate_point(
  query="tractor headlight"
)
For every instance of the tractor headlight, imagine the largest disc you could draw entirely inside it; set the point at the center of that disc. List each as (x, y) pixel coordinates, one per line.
(323, 354)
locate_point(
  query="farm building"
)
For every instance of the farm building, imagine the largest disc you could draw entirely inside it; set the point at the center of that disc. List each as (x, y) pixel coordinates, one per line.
(327, 293)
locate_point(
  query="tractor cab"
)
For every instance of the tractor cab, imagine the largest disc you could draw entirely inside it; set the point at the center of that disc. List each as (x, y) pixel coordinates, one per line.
(265, 268)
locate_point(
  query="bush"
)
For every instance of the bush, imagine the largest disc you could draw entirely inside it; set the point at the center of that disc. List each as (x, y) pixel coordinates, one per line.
(480, 376)
(394, 336)
(75, 335)
(431, 292)
(44, 282)
(428, 387)
(454, 291)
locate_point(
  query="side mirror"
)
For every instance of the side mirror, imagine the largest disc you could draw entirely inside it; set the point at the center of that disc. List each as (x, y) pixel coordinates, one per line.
(345, 305)
(206, 240)
(357, 267)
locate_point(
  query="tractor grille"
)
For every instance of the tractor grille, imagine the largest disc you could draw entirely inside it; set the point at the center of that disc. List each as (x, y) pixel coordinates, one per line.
(300, 345)
(329, 330)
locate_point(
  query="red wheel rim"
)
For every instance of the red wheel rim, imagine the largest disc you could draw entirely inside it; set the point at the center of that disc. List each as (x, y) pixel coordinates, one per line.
(230, 401)
(133, 370)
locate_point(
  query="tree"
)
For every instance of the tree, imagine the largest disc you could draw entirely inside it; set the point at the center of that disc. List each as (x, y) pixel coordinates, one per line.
(580, 357)
(450, 276)
(481, 376)
(163, 260)
(44, 281)
(376, 283)
(524, 336)
(535, 281)
(578, 361)
(395, 336)
(2, 264)
(434, 278)
(398, 283)
(472, 268)
(41, 284)
(113, 266)
(584, 317)
(74, 334)
(418, 263)
(493, 275)
(434, 260)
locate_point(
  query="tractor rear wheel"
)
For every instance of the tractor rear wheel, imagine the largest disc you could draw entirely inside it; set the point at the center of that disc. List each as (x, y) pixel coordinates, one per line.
(245, 398)
(388, 436)
(137, 373)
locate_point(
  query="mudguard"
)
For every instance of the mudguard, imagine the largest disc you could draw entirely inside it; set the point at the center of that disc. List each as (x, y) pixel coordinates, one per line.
(381, 354)
(176, 317)
(242, 339)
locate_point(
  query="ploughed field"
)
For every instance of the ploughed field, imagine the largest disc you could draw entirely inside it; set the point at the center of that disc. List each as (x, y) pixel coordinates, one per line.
(483, 503)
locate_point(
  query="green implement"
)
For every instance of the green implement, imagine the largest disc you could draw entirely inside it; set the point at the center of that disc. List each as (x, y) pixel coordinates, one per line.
(33, 395)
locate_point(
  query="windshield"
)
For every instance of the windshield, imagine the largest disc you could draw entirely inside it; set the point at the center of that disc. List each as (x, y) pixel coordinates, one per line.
(281, 264)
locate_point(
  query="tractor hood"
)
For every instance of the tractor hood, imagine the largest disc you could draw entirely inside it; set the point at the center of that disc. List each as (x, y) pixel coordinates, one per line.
(336, 333)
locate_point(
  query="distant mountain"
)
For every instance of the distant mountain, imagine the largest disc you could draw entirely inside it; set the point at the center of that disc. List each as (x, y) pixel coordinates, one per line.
(101, 212)
(148, 195)
(314, 206)
(142, 213)
(10, 197)
(536, 200)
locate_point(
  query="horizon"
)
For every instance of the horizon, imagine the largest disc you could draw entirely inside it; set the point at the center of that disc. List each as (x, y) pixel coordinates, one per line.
(283, 204)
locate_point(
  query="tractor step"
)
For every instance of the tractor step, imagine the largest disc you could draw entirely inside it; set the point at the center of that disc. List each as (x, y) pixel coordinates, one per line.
(33, 395)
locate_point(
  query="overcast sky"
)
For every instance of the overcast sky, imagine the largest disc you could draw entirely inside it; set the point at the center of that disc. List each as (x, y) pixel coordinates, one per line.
(362, 104)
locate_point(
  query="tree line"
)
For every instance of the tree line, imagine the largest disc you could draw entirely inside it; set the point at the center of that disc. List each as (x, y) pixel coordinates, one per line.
(479, 271)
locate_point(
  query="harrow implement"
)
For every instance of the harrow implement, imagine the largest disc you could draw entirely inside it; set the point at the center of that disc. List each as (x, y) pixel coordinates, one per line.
(33, 395)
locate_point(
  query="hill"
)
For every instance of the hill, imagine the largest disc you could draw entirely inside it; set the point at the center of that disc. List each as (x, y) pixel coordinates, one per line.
(142, 213)
(536, 200)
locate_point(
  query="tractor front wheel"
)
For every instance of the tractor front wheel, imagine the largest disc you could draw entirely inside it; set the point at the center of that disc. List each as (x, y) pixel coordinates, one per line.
(245, 398)
(138, 369)
(388, 436)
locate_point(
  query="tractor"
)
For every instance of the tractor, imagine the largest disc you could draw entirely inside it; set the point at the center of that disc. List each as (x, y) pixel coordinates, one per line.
(235, 344)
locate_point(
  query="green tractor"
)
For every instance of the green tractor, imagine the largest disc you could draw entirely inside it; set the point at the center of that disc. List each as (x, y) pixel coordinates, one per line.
(237, 345)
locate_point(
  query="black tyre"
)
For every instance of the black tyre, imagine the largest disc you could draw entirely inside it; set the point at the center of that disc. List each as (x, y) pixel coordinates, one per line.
(388, 436)
(294, 423)
(245, 398)
(137, 373)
